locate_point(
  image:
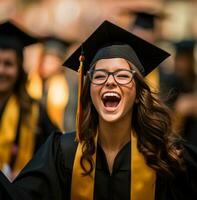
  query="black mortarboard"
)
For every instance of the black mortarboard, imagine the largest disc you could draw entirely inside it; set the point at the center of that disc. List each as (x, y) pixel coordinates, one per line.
(56, 45)
(145, 20)
(126, 45)
(111, 41)
(12, 36)
(185, 46)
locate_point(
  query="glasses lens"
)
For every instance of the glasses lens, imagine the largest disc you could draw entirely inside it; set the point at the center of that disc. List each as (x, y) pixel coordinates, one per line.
(123, 77)
(98, 77)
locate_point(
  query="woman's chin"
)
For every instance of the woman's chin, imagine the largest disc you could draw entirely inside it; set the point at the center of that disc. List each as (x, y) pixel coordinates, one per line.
(110, 117)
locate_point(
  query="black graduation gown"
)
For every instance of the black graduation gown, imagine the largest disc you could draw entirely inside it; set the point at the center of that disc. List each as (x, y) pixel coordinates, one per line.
(171, 88)
(43, 129)
(48, 175)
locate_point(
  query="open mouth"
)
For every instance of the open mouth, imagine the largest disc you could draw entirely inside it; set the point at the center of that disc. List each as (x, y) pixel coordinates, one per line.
(111, 99)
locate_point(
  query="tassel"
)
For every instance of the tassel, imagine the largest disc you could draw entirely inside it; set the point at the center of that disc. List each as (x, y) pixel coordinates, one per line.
(79, 104)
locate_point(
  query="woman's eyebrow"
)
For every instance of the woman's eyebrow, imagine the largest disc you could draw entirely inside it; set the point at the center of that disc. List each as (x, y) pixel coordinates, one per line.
(117, 68)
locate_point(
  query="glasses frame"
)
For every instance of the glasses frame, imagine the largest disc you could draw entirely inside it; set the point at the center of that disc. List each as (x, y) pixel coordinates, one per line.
(90, 72)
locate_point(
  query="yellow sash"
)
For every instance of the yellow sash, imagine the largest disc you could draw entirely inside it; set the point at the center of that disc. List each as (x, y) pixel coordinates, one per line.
(34, 86)
(8, 130)
(57, 99)
(153, 80)
(57, 96)
(143, 178)
(82, 187)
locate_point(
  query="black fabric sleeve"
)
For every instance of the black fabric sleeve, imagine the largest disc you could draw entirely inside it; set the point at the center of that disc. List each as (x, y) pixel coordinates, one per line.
(43, 178)
(44, 127)
(190, 157)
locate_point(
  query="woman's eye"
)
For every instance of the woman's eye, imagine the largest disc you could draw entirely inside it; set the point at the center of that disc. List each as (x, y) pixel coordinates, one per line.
(123, 75)
(99, 76)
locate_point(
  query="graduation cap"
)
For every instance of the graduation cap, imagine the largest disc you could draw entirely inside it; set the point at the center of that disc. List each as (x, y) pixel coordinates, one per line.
(185, 46)
(145, 55)
(145, 20)
(13, 37)
(111, 41)
(56, 45)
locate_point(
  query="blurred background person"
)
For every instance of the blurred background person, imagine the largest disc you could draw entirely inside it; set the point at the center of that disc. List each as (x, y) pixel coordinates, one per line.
(54, 85)
(177, 89)
(146, 26)
(182, 85)
(24, 124)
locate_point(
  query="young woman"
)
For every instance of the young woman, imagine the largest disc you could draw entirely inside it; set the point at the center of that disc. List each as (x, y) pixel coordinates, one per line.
(124, 148)
(24, 125)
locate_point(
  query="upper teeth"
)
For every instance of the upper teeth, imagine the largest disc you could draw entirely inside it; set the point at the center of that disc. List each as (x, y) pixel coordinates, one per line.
(111, 94)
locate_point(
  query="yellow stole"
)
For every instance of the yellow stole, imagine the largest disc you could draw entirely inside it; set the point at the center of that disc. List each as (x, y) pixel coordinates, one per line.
(57, 96)
(8, 129)
(143, 178)
(153, 80)
(57, 99)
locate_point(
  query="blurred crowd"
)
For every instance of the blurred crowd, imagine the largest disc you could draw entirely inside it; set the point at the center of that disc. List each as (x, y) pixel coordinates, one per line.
(38, 95)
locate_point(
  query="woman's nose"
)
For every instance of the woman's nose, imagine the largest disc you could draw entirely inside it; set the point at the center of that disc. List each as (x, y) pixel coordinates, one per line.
(110, 81)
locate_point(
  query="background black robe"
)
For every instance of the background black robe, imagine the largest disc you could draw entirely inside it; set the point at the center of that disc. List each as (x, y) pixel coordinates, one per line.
(48, 175)
(44, 128)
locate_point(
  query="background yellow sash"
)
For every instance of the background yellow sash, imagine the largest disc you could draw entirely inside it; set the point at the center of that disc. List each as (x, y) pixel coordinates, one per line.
(8, 130)
(57, 96)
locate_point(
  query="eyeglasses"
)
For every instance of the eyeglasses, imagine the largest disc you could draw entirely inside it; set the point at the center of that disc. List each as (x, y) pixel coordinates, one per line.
(100, 76)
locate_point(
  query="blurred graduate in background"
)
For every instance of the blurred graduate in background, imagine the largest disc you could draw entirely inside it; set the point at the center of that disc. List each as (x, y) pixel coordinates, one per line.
(145, 26)
(181, 88)
(54, 85)
(24, 124)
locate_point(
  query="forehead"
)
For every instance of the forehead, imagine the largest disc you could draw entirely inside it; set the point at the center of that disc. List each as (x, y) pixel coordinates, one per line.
(8, 53)
(112, 63)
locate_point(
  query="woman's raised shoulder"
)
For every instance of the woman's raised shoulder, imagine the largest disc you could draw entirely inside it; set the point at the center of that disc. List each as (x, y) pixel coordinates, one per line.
(68, 147)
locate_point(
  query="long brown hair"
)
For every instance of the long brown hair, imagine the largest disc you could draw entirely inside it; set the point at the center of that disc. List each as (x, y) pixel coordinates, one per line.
(20, 90)
(152, 124)
(25, 101)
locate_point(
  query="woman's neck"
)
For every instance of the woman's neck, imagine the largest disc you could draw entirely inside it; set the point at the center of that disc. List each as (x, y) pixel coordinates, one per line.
(113, 136)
